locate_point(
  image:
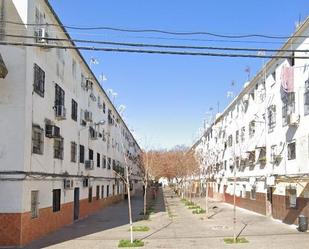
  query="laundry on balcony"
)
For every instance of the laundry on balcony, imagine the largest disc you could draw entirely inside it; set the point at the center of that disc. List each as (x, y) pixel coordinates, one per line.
(3, 69)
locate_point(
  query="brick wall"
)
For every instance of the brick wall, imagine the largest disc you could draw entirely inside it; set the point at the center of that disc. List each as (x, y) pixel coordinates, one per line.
(20, 229)
(258, 205)
(282, 211)
(10, 225)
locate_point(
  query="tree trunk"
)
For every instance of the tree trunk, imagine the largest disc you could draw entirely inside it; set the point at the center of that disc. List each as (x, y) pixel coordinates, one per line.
(206, 199)
(145, 198)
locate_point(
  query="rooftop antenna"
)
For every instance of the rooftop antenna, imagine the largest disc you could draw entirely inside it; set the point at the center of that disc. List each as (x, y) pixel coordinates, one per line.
(102, 77)
(94, 61)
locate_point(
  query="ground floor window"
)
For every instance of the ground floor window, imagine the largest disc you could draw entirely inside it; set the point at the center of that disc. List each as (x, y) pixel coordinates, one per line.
(253, 193)
(291, 193)
(98, 193)
(56, 200)
(107, 190)
(102, 191)
(34, 204)
(90, 194)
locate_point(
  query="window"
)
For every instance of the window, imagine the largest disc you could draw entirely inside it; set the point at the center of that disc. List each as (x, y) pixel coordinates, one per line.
(73, 152)
(104, 107)
(288, 106)
(230, 140)
(81, 153)
(74, 110)
(34, 204)
(292, 151)
(56, 200)
(252, 128)
(113, 189)
(58, 148)
(98, 192)
(114, 164)
(98, 160)
(242, 134)
(90, 194)
(306, 98)
(39, 80)
(109, 162)
(107, 190)
(237, 137)
(271, 110)
(102, 191)
(253, 193)
(90, 154)
(59, 96)
(37, 140)
(292, 194)
(104, 162)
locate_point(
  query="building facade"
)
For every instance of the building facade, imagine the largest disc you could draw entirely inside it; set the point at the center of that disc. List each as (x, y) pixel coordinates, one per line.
(261, 140)
(63, 146)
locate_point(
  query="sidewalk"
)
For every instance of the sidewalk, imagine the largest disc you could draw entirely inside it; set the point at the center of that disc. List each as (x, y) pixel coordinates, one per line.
(173, 226)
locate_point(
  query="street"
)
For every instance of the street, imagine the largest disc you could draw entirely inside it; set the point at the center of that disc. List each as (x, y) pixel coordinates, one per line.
(172, 225)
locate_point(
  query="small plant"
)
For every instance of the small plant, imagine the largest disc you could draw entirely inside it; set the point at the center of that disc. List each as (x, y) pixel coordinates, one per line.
(183, 200)
(189, 203)
(199, 211)
(127, 243)
(194, 207)
(140, 228)
(238, 240)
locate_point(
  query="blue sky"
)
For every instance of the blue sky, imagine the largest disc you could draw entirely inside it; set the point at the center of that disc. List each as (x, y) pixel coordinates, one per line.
(167, 97)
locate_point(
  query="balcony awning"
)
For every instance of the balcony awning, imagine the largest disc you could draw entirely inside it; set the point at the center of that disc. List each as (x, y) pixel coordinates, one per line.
(3, 69)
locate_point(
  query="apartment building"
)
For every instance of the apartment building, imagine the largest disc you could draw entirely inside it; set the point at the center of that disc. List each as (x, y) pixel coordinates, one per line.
(63, 146)
(261, 140)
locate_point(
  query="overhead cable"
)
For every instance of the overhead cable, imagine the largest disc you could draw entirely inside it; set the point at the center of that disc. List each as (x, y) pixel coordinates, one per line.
(160, 45)
(159, 31)
(167, 52)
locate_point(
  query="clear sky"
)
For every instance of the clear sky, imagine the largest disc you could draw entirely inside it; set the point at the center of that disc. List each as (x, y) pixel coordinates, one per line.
(167, 96)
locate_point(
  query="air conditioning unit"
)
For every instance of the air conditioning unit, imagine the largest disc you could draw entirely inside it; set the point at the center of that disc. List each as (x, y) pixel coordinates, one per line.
(293, 119)
(42, 35)
(88, 116)
(86, 182)
(60, 112)
(89, 164)
(52, 131)
(93, 97)
(68, 184)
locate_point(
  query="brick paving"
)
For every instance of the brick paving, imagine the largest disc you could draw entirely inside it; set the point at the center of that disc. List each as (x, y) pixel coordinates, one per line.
(174, 226)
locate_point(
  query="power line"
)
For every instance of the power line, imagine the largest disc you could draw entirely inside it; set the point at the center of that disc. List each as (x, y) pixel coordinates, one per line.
(159, 31)
(167, 52)
(172, 38)
(161, 45)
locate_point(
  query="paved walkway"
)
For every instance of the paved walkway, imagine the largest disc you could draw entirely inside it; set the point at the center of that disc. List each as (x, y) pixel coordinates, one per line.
(174, 226)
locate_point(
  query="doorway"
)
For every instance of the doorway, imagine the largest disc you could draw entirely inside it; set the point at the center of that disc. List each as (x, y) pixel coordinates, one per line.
(269, 201)
(76, 203)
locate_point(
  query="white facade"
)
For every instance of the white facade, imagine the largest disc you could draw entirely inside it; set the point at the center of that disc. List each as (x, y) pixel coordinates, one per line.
(22, 108)
(253, 138)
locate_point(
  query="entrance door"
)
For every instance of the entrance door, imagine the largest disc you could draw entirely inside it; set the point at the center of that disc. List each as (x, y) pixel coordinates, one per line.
(76, 203)
(269, 201)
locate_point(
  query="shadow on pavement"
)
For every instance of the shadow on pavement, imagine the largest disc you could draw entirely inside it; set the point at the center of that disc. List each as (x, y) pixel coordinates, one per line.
(110, 217)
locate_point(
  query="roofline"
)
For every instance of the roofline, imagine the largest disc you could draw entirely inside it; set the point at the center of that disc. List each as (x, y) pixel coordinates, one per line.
(268, 65)
(87, 66)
